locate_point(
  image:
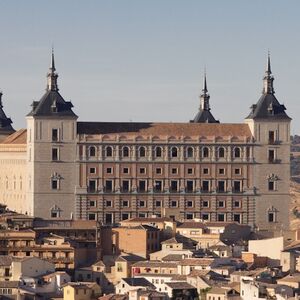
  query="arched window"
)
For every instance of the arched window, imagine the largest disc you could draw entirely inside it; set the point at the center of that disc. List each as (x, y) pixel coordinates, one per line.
(221, 152)
(237, 152)
(205, 152)
(158, 152)
(125, 151)
(174, 152)
(142, 152)
(190, 152)
(92, 151)
(108, 151)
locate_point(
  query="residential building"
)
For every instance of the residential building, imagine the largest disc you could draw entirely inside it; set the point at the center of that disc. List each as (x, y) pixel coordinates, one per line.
(81, 291)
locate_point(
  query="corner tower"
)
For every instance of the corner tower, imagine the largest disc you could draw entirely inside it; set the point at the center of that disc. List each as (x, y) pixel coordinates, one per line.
(51, 146)
(270, 127)
(204, 115)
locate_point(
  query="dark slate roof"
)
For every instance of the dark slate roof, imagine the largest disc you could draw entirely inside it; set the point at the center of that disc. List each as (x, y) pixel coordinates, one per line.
(268, 107)
(204, 116)
(51, 98)
(137, 282)
(5, 122)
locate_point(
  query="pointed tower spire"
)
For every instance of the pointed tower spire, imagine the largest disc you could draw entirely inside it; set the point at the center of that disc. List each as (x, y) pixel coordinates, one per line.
(268, 78)
(204, 98)
(52, 75)
(204, 115)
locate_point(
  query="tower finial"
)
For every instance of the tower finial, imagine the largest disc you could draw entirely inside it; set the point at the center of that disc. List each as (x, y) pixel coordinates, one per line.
(268, 78)
(52, 65)
(204, 98)
(52, 75)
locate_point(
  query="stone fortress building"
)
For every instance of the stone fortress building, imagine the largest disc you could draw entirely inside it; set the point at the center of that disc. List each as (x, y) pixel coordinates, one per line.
(59, 167)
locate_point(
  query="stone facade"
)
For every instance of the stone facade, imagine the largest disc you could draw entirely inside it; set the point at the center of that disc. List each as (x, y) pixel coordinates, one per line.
(115, 171)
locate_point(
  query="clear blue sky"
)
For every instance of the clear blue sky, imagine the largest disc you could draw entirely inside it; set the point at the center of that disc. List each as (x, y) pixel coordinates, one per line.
(144, 60)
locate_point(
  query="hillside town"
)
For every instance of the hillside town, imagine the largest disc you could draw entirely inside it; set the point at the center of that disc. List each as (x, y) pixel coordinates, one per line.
(144, 258)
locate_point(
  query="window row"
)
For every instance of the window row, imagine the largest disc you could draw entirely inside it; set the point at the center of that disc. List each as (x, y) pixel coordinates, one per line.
(172, 171)
(172, 203)
(173, 186)
(173, 152)
(110, 218)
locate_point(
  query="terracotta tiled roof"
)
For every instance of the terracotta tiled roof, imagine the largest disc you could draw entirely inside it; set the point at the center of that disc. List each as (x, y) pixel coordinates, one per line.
(154, 264)
(196, 262)
(148, 220)
(180, 285)
(18, 137)
(192, 225)
(165, 129)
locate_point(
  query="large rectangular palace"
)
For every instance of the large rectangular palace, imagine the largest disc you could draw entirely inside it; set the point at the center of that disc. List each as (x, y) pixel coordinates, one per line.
(61, 168)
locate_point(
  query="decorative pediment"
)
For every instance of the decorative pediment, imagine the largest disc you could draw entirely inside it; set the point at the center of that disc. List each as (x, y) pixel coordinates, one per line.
(272, 177)
(56, 176)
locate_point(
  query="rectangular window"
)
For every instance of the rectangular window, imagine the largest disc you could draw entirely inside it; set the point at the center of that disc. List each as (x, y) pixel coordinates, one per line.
(221, 171)
(189, 203)
(142, 186)
(92, 170)
(271, 217)
(221, 217)
(205, 203)
(125, 186)
(158, 170)
(125, 216)
(54, 135)
(55, 156)
(108, 203)
(236, 203)
(189, 216)
(174, 171)
(125, 171)
(205, 216)
(91, 216)
(157, 203)
(108, 186)
(271, 155)
(108, 170)
(237, 218)
(221, 204)
(174, 186)
(54, 184)
(190, 186)
(92, 203)
(221, 186)
(271, 185)
(142, 171)
(125, 203)
(237, 187)
(237, 171)
(190, 171)
(158, 186)
(173, 203)
(205, 171)
(108, 218)
(92, 186)
(142, 203)
(205, 186)
(271, 137)
(54, 214)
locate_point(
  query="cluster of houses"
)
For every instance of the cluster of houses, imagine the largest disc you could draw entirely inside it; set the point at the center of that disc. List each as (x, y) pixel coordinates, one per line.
(144, 259)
